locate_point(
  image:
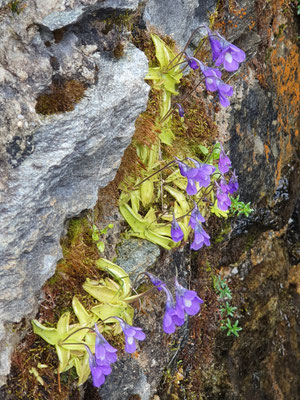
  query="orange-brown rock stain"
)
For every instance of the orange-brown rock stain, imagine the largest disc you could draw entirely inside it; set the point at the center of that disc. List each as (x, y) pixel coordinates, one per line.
(282, 74)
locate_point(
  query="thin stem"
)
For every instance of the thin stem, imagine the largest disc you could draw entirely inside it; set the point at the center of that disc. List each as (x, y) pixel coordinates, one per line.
(77, 330)
(154, 173)
(192, 35)
(173, 66)
(161, 180)
(58, 380)
(74, 344)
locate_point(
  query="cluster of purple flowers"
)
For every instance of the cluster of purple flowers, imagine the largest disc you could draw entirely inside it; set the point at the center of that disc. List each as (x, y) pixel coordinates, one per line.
(223, 54)
(105, 354)
(201, 174)
(187, 302)
(224, 189)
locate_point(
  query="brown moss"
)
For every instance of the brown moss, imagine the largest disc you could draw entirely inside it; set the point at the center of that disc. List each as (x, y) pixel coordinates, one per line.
(62, 98)
(119, 50)
(58, 34)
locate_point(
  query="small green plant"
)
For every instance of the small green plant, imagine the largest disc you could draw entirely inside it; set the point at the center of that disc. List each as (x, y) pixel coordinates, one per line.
(231, 329)
(226, 310)
(97, 233)
(239, 207)
(222, 289)
(16, 6)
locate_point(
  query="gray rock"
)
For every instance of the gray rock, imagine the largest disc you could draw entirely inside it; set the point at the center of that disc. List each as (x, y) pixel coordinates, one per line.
(178, 18)
(59, 19)
(53, 166)
(136, 256)
(127, 379)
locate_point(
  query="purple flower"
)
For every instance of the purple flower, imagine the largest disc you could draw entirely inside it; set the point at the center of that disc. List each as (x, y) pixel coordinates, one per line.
(188, 172)
(233, 183)
(176, 232)
(183, 167)
(201, 173)
(212, 76)
(180, 110)
(225, 53)
(188, 300)
(224, 91)
(200, 237)
(191, 188)
(195, 217)
(155, 281)
(224, 201)
(193, 62)
(97, 371)
(224, 162)
(131, 333)
(174, 314)
(223, 185)
(105, 354)
(215, 45)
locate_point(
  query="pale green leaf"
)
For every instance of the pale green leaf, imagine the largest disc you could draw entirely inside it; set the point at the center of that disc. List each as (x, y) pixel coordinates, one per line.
(117, 272)
(134, 220)
(151, 217)
(169, 84)
(81, 313)
(50, 335)
(219, 213)
(146, 192)
(163, 52)
(100, 292)
(154, 73)
(104, 311)
(82, 368)
(63, 356)
(166, 136)
(179, 196)
(135, 200)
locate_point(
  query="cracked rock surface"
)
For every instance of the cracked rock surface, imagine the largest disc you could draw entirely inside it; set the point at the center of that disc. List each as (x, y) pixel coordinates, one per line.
(53, 165)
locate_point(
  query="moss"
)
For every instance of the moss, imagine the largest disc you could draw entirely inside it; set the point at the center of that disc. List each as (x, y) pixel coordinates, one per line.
(118, 50)
(16, 6)
(224, 232)
(62, 98)
(58, 34)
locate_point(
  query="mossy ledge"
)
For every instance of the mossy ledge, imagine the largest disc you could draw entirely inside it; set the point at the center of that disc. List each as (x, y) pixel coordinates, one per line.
(62, 97)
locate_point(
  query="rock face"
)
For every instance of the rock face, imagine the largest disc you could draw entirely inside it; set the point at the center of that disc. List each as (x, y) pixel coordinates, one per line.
(52, 166)
(178, 18)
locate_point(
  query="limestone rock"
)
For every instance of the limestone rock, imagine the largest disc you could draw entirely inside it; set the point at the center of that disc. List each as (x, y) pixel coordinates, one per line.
(52, 166)
(67, 16)
(136, 256)
(178, 18)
